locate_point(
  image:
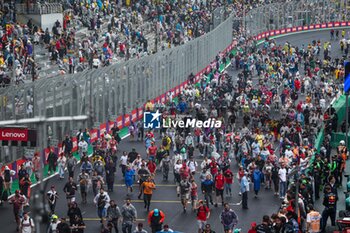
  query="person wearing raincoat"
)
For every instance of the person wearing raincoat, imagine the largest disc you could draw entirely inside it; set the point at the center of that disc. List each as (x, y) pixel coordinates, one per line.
(129, 179)
(257, 175)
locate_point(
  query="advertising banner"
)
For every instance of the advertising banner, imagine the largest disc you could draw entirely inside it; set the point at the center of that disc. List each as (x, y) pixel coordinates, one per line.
(93, 135)
(134, 115)
(103, 128)
(13, 134)
(126, 120)
(119, 122)
(75, 144)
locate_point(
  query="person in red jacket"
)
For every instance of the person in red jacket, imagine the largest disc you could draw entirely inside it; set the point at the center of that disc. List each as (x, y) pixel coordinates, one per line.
(297, 84)
(155, 220)
(203, 214)
(228, 181)
(253, 228)
(152, 151)
(213, 167)
(219, 187)
(152, 166)
(184, 171)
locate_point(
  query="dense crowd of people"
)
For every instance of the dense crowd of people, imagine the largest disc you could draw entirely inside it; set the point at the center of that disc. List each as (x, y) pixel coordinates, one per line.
(271, 112)
(115, 33)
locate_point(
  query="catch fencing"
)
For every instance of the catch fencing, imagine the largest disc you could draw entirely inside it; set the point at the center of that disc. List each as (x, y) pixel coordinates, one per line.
(39, 8)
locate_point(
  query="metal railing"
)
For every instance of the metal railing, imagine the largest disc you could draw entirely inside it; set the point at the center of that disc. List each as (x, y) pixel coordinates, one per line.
(290, 14)
(39, 8)
(117, 89)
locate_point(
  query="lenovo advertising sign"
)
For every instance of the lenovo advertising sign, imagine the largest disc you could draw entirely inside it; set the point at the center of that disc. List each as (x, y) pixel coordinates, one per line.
(13, 134)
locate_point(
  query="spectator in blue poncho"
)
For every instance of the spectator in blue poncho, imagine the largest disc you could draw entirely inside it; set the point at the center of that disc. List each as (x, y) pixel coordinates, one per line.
(129, 179)
(182, 106)
(257, 175)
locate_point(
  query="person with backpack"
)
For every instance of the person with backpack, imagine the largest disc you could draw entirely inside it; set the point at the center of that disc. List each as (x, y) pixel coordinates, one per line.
(102, 200)
(229, 219)
(203, 214)
(155, 220)
(113, 216)
(70, 188)
(129, 215)
(185, 188)
(192, 165)
(52, 197)
(27, 224)
(330, 202)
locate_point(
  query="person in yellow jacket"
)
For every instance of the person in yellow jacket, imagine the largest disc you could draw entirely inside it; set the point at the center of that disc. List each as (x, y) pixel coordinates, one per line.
(2, 61)
(149, 106)
(336, 73)
(166, 143)
(325, 45)
(259, 137)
